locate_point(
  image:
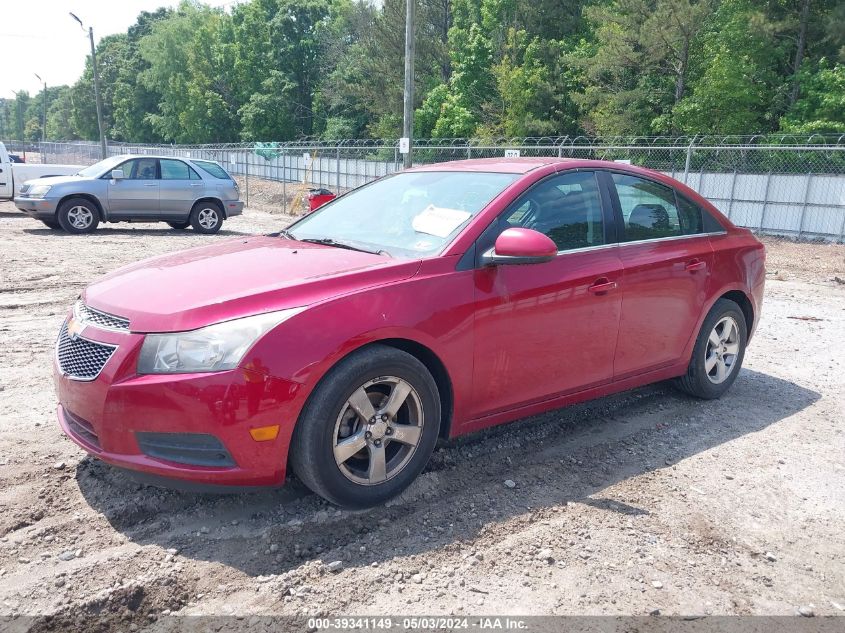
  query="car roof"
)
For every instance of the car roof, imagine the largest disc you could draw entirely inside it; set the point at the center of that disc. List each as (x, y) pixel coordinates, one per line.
(499, 164)
(131, 156)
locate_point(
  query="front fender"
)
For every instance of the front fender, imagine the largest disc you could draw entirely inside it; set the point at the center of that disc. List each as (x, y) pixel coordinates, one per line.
(430, 310)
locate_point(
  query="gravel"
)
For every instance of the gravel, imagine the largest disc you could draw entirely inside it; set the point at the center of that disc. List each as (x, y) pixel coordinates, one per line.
(613, 496)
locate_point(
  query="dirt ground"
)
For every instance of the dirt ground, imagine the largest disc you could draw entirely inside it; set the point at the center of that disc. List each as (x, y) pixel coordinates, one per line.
(639, 503)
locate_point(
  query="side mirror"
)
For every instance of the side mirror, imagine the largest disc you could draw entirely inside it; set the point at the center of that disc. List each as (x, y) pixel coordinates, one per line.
(520, 246)
(117, 174)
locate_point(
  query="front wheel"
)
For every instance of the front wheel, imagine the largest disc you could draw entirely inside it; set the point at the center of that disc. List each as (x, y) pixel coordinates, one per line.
(78, 215)
(369, 428)
(718, 352)
(207, 217)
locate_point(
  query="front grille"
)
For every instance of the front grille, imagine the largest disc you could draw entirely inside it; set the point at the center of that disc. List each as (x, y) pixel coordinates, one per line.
(80, 358)
(82, 429)
(100, 319)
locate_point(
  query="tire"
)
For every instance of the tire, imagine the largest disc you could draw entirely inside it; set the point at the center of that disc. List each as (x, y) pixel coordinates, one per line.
(179, 226)
(203, 213)
(713, 369)
(330, 422)
(78, 215)
(52, 224)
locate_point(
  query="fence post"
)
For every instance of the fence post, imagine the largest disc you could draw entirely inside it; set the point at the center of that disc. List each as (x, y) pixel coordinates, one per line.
(247, 178)
(842, 229)
(731, 199)
(689, 158)
(338, 170)
(284, 182)
(469, 151)
(804, 206)
(765, 202)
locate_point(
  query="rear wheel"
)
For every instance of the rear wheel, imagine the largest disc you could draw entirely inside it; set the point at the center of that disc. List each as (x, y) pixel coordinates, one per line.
(78, 215)
(718, 352)
(369, 428)
(207, 217)
(179, 226)
(52, 224)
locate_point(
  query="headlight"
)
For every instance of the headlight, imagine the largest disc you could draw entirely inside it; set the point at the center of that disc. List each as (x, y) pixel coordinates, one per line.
(38, 191)
(213, 348)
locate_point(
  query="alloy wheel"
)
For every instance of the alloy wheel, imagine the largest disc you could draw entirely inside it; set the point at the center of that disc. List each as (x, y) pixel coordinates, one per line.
(722, 350)
(80, 217)
(377, 431)
(208, 218)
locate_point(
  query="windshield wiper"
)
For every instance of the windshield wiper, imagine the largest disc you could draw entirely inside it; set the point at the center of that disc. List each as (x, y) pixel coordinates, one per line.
(287, 234)
(327, 241)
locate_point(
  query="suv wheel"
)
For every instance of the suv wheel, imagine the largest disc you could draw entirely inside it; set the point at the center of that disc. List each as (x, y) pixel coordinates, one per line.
(368, 429)
(78, 215)
(207, 217)
(179, 226)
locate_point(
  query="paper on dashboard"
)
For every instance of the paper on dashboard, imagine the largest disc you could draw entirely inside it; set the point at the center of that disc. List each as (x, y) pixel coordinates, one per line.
(439, 221)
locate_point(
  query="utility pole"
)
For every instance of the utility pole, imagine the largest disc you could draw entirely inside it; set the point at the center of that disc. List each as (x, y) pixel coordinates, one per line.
(103, 149)
(18, 103)
(408, 119)
(44, 125)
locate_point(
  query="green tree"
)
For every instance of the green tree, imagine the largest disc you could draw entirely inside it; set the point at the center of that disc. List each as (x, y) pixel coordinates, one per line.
(821, 106)
(641, 63)
(190, 68)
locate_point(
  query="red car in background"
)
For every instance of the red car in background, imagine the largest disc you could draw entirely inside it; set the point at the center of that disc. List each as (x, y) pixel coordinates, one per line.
(428, 304)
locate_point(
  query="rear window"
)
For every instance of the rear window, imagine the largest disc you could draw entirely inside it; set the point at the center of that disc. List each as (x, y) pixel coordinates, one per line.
(213, 169)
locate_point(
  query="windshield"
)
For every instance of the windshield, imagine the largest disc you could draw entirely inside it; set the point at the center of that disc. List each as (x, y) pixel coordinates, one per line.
(98, 169)
(411, 214)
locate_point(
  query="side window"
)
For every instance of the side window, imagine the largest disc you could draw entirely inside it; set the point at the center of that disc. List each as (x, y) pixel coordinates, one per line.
(139, 169)
(176, 170)
(566, 207)
(648, 208)
(690, 217)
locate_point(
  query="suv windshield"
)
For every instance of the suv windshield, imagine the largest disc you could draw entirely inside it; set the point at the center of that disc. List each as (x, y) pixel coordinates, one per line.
(411, 214)
(104, 166)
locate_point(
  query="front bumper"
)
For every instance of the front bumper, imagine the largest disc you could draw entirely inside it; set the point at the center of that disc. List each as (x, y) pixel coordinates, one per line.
(233, 207)
(38, 208)
(108, 415)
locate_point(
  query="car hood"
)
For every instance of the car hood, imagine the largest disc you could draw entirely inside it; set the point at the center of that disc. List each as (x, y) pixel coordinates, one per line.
(54, 180)
(235, 278)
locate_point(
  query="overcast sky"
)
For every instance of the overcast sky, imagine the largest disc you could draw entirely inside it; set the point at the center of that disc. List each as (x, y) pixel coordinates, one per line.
(38, 36)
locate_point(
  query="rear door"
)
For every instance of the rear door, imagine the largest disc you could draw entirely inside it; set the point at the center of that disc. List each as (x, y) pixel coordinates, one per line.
(135, 195)
(179, 186)
(667, 261)
(548, 329)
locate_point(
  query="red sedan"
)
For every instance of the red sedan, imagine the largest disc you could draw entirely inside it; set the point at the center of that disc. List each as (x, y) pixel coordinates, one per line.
(428, 304)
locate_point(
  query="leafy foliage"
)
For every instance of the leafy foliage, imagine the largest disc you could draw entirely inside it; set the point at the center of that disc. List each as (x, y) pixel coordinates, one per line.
(275, 70)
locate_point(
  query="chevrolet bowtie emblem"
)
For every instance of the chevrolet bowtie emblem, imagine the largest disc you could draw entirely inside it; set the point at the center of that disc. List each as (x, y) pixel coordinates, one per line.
(75, 329)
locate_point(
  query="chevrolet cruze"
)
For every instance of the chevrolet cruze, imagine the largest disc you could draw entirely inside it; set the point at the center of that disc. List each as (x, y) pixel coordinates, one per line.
(428, 304)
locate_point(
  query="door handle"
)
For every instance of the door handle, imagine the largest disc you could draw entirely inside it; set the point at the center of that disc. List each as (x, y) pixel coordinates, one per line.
(150, 184)
(601, 286)
(196, 184)
(694, 265)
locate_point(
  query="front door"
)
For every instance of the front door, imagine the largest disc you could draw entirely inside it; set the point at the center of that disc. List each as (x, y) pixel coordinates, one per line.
(667, 261)
(548, 329)
(136, 194)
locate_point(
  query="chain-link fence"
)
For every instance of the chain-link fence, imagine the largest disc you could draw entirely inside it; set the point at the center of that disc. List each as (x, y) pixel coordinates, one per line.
(782, 185)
